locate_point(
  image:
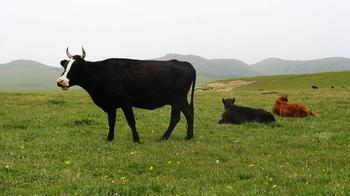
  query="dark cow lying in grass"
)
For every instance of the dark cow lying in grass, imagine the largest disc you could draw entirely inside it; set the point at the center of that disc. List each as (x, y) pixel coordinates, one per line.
(283, 108)
(235, 114)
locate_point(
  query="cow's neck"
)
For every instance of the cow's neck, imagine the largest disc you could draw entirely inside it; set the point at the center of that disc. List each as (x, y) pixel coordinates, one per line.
(89, 82)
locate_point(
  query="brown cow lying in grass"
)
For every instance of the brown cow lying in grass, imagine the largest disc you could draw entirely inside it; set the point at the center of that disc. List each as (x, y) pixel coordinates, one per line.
(283, 108)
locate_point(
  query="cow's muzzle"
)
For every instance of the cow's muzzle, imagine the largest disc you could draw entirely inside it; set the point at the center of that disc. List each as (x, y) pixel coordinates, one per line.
(61, 82)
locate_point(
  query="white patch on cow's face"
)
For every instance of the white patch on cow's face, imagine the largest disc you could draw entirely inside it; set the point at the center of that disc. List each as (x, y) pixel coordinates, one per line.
(63, 80)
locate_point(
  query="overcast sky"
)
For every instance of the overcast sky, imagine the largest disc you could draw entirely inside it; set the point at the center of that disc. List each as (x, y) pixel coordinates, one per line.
(249, 30)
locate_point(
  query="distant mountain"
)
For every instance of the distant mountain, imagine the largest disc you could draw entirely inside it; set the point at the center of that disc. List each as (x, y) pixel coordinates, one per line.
(215, 68)
(27, 75)
(32, 75)
(276, 66)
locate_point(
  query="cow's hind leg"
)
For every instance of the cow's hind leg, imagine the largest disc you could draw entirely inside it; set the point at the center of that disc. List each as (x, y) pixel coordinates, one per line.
(175, 118)
(188, 112)
(129, 115)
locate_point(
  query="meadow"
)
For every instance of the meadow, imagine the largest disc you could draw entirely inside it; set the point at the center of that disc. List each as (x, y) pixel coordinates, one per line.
(55, 143)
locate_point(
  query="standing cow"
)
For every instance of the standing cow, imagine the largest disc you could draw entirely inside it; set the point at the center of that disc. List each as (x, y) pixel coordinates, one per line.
(126, 83)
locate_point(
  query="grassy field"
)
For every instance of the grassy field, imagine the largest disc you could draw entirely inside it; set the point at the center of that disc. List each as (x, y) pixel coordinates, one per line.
(55, 143)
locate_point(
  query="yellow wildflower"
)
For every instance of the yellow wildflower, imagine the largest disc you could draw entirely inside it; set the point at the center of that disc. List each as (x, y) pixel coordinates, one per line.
(123, 179)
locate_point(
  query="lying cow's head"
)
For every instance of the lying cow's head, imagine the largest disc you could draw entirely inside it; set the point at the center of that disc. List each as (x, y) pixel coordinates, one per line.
(228, 102)
(70, 76)
(283, 98)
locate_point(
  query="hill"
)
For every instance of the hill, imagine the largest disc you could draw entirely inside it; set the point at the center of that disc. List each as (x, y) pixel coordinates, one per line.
(27, 75)
(282, 83)
(215, 68)
(33, 75)
(275, 66)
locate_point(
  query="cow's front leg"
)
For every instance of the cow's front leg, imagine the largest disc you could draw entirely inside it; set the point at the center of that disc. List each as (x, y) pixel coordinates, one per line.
(111, 122)
(129, 115)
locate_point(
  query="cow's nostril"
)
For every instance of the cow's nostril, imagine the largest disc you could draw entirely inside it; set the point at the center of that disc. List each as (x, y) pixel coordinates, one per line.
(60, 82)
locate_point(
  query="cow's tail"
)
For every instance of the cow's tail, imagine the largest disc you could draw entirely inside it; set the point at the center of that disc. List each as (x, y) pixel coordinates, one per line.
(309, 112)
(312, 113)
(192, 92)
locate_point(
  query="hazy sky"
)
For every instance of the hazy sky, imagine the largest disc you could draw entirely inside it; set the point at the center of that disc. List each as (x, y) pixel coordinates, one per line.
(249, 30)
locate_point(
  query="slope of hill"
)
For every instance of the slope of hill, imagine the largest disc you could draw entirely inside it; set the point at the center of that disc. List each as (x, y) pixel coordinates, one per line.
(215, 68)
(282, 83)
(274, 66)
(27, 75)
(32, 75)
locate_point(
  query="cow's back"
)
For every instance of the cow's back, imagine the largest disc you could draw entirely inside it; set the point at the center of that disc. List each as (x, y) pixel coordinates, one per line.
(293, 110)
(240, 114)
(264, 116)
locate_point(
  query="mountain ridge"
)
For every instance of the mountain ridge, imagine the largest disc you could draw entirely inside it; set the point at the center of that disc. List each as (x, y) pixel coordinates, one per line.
(24, 74)
(277, 66)
(228, 67)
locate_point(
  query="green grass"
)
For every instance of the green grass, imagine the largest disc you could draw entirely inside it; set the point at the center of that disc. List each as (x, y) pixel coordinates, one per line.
(55, 143)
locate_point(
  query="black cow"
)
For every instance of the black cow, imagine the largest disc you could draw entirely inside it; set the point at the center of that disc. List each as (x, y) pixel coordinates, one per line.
(126, 83)
(235, 114)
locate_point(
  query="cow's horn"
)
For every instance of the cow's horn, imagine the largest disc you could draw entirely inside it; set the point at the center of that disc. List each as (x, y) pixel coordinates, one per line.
(83, 53)
(67, 52)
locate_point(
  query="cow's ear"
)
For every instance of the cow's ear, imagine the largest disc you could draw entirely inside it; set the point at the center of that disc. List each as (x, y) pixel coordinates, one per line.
(223, 101)
(233, 100)
(64, 63)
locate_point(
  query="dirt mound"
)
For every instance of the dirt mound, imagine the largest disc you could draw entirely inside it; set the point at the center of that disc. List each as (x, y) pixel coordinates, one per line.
(226, 85)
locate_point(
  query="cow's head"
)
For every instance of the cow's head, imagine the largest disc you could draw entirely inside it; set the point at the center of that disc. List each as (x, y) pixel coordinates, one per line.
(283, 98)
(71, 76)
(228, 102)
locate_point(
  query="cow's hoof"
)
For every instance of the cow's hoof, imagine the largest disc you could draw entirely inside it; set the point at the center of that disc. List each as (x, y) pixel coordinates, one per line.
(189, 137)
(137, 141)
(110, 138)
(163, 139)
